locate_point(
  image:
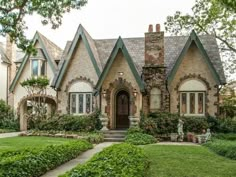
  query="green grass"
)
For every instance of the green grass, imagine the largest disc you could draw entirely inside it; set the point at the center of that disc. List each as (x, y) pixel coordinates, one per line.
(16, 143)
(187, 161)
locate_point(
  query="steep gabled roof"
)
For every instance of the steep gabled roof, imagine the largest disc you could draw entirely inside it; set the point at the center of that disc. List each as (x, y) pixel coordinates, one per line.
(90, 46)
(193, 38)
(49, 50)
(3, 56)
(120, 46)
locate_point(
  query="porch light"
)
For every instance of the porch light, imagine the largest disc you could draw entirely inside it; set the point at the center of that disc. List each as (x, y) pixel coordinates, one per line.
(135, 93)
(104, 93)
(121, 73)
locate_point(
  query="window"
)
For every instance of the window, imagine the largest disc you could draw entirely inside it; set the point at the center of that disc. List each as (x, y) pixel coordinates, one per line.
(80, 103)
(155, 99)
(192, 98)
(38, 67)
(81, 99)
(192, 103)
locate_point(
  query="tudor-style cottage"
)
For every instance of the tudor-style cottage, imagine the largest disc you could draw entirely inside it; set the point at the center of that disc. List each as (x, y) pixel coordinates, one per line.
(121, 77)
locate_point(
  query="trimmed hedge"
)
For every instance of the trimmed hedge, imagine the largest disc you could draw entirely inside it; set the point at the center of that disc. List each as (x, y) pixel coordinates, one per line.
(228, 136)
(123, 160)
(223, 147)
(83, 123)
(140, 139)
(35, 162)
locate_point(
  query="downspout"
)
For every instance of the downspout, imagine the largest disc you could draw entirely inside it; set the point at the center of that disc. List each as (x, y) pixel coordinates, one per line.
(219, 87)
(7, 91)
(168, 93)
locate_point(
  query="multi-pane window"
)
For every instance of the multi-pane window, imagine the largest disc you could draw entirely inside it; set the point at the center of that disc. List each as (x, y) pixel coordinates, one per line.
(192, 103)
(38, 67)
(80, 103)
(155, 99)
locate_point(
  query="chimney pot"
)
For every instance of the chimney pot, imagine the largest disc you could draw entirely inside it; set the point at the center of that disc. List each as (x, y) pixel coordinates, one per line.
(158, 27)
(150, 28)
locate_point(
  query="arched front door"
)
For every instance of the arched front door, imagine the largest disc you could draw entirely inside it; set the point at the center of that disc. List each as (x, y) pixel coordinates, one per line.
(122, 109)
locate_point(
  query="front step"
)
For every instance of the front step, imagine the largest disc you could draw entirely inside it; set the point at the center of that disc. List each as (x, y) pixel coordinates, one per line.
(114, 135)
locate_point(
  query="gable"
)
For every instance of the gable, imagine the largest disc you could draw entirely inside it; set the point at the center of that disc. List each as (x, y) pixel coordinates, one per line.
(80, 35)
(38, 42)
(119, 49)
(193, 40)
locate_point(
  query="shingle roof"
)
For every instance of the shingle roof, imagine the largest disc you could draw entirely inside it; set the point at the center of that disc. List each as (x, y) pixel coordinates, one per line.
(173, 45)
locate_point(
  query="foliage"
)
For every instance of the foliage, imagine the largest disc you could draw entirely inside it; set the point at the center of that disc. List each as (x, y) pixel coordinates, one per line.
(167, 123)
(222, 125)
(187, 161)
(211, 18)
(12, 15)
(83, 123)
(223, 147)
(134, 129)
(7, 118)
(227, 136)
(36, 89)
(123, 160)
(149, 126)
(140, 139)
(35, 162)
(230, 4)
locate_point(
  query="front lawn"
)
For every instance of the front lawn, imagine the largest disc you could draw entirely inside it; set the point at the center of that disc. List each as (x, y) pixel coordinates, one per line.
(16, 143)
(189, 161)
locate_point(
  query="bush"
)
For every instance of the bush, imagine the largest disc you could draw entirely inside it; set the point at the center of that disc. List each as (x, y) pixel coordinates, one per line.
(222, 125)
(166, 123)
(228, 136)
(35, 162)
(223, 147)
(140, 139)
(84, 123)
(7, 118)
(123, 160)
(134, 129)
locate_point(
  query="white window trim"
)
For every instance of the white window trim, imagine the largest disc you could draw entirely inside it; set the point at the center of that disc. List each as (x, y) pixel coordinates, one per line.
(196, 103)
(39, 68)
(84, 103)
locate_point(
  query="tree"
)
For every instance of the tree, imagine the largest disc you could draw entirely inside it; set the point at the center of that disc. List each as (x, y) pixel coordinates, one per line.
(12, 13)
(211, 18)
(230, 4)
(36, 88)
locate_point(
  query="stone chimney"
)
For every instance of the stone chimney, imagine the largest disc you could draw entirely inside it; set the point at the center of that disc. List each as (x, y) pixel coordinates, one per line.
(154, 72)
(11, 54)
(154, 47)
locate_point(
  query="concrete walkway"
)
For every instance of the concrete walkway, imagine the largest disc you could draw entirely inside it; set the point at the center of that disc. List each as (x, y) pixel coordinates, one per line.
(7, 135)
(79, 160)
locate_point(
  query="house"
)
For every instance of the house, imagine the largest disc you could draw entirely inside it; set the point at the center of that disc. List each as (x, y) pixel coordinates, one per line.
(121, 77)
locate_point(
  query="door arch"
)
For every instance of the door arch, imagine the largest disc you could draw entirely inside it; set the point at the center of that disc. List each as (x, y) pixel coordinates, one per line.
(122, 109)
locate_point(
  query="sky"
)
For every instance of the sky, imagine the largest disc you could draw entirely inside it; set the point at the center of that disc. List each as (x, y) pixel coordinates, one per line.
(110, 19)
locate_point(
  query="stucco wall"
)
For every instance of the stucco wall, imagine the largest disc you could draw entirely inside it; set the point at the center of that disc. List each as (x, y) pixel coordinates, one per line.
(193, 65)
(121, 65)
(20, 92)
(80, 66)
(3, 81)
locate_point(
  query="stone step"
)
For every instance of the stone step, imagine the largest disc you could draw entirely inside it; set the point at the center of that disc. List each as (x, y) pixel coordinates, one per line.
(114, 132)
(114, 135)
(114, 139)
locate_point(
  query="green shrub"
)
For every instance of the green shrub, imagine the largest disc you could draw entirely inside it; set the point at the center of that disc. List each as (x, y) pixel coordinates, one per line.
(166, 123)
(140, 139)
(134, 129)
(94, 138)
(7, 118)
(84, 123)
(35, 162)
(119, 160)
(228, 136)
(223, 147)
(222, 125)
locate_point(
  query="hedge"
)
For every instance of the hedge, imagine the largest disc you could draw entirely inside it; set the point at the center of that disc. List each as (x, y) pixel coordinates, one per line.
(140, 139)
(35, 162)
(123, 160)
(223, 147)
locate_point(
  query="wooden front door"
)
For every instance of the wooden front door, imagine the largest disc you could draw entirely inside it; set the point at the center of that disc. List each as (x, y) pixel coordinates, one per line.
(122, 110)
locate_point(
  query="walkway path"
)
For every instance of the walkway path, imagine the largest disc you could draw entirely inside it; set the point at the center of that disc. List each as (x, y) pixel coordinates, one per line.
(7, 135)
(79, 160)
